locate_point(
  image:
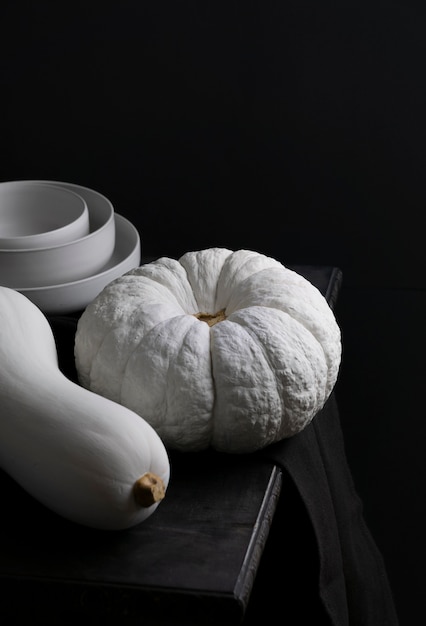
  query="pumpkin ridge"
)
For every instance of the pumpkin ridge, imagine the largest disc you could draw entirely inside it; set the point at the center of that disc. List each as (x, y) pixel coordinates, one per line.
(164, 293)
(93, 363)
(162, 288)
(90, 376)
(210, 422)
(303, 284)
(252, 334)
(251, 331)
(223, 435)
(299, 321)
(137, 346)
(199, 257)
(161, 281)
(164, 419)
(241, 266)
(327, 358)
(319, 395)
(219, 280)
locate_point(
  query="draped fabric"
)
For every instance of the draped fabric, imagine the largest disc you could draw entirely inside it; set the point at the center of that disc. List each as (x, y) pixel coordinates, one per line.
(353, 583)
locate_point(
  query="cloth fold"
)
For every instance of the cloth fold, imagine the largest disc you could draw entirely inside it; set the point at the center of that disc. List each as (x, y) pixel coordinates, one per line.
(353, 584)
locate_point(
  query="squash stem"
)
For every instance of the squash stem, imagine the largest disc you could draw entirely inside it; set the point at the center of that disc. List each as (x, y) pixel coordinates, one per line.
(148, 489)
(211, 318)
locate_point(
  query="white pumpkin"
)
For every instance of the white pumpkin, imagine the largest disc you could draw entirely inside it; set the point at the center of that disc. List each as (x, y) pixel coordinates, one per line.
(222, 349)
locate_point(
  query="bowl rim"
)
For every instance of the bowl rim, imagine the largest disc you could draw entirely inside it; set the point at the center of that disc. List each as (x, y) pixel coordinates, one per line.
(82, 216)
(136, 244)
(92, 233)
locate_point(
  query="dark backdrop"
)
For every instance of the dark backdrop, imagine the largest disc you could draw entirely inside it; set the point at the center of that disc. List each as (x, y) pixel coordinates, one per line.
(296, 128)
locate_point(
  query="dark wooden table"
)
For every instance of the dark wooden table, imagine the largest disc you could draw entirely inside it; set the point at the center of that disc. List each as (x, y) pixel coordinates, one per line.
(193, 562)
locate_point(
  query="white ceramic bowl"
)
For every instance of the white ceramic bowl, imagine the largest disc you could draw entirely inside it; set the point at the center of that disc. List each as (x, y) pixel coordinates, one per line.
(53, 265)
(34, 215)
(75, 296)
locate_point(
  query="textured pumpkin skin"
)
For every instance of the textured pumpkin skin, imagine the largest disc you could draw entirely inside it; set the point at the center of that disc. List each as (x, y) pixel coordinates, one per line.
(254, 378)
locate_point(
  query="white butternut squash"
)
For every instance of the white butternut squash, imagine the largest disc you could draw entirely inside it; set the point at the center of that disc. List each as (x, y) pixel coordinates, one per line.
(85, 457)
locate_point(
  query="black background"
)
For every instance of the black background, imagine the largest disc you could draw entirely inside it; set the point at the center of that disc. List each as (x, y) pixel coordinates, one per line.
(295, 128)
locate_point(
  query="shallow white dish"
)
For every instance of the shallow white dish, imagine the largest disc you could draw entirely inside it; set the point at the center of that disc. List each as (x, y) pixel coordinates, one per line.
(36, 267)
(34, 215)
(75, 296)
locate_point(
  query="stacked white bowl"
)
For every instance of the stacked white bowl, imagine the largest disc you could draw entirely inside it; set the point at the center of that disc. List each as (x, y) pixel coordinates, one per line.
(62, 243)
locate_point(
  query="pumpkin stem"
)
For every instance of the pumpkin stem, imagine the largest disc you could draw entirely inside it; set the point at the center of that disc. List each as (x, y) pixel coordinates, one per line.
(148, 489)
(211, 318)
